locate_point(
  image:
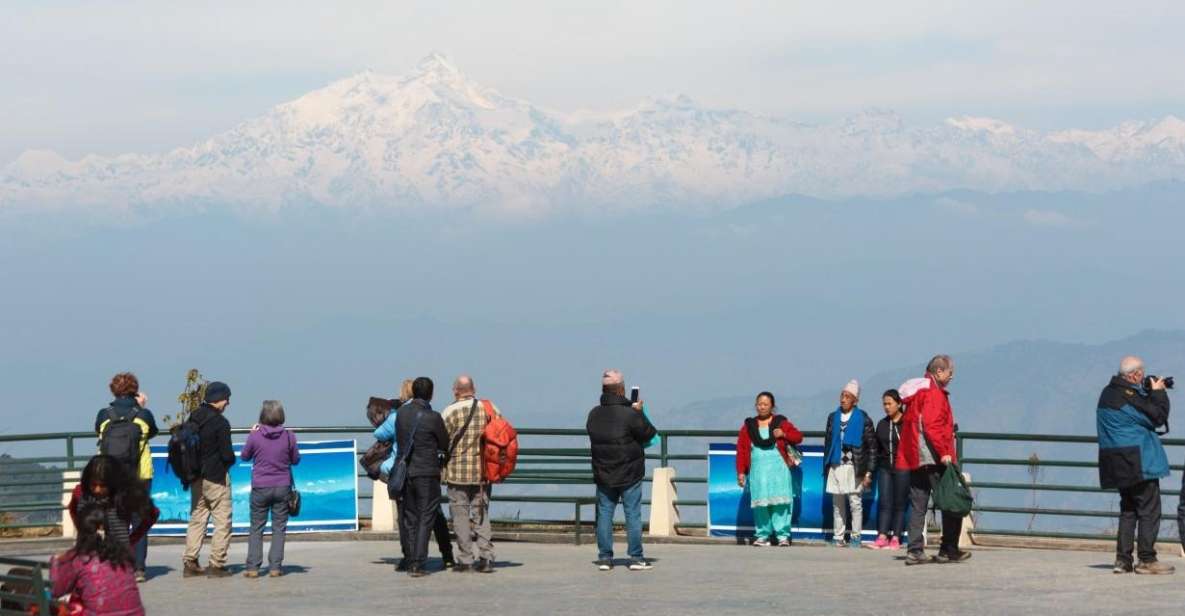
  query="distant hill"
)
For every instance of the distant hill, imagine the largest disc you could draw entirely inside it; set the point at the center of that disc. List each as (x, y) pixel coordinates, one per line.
(1026, 386)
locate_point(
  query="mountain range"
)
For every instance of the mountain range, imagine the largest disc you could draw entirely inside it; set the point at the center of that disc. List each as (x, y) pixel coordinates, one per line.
(436, 138)
(1032, 386)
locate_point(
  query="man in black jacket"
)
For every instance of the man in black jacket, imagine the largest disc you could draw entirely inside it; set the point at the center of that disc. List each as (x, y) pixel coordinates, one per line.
(422, 439)
(618, 432)
(210, 494)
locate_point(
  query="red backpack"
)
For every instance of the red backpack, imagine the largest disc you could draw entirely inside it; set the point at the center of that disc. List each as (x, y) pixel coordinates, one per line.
(499, 446)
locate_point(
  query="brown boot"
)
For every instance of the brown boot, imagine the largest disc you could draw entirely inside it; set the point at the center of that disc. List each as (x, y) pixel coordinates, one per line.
(217, 572)
(191, 568)
(1154, 567)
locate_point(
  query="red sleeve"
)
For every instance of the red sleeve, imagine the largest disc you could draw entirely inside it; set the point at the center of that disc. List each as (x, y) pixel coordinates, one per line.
(790, 433)
(743, 451)
(938, 424)
(144, 527)
(73, 506)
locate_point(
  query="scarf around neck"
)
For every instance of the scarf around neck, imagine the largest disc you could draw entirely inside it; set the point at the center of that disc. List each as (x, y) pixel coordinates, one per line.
(755, 431)
(853, 437)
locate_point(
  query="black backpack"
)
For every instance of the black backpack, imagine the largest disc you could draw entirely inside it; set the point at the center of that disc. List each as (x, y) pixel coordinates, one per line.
(185, 457)
(120, 439)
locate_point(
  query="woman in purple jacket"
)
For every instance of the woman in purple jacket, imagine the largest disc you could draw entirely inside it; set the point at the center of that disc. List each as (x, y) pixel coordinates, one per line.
(273, 450)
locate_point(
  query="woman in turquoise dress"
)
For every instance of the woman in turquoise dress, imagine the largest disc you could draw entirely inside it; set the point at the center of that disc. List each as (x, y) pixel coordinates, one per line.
(765, 456)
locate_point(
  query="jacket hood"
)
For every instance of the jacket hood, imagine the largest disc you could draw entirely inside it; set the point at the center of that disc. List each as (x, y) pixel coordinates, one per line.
(272, 432)
(1119, 381)
(614, 400)
(124, 402)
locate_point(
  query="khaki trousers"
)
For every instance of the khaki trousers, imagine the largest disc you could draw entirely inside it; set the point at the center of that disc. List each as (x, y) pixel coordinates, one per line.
(208, 499)
(469, 507)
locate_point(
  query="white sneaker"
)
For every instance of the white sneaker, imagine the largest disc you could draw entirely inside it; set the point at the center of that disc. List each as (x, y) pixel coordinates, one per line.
(761, 543)
(640, 565)
(605, 565)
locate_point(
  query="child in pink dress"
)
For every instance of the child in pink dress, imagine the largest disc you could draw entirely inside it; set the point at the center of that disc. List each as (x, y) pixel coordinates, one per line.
(97, 572)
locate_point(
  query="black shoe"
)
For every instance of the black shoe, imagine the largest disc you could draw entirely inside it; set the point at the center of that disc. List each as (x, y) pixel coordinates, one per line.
(484, 565)
(416, 572)
(401, 566)
(640, 564)
(449, 563)
(956, 556)
(1122, 566)
(462, 568)
(605, 565)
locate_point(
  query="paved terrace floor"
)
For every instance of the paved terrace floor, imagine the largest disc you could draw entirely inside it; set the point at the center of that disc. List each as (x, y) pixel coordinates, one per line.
(357, 577)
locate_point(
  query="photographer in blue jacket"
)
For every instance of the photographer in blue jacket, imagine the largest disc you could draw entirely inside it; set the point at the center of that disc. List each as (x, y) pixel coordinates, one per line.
(1133, 412)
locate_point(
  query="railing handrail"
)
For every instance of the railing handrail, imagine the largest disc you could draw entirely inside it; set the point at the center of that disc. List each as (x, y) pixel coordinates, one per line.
(550, 457)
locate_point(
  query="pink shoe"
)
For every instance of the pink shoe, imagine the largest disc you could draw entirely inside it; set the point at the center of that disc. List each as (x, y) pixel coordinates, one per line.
(881, 543)
(894, 544)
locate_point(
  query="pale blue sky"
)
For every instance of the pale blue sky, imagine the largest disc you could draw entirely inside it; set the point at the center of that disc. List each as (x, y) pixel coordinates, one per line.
(82, 77)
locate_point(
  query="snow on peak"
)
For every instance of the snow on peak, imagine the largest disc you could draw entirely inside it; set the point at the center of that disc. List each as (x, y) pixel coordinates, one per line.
(38, 164)
(435, 138)
(1171, 127)
(438, 65)
(982, 125)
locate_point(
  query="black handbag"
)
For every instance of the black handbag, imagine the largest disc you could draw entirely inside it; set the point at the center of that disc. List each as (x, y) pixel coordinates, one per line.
(398, 476)
(293, 493)
(293, 499)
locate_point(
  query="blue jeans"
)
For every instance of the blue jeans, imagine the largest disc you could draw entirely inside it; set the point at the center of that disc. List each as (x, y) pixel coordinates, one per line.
(631, 501)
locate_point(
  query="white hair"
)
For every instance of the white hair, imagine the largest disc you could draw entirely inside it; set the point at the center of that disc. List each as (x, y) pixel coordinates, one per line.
(1130, 365)
(612, 377)
(940, 362)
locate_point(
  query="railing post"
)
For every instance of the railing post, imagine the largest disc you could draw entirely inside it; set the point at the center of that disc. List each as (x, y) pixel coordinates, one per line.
(578, 523)
(70, 452)
(664, 516)
(662, 456)
(39, 590)
(959, 447)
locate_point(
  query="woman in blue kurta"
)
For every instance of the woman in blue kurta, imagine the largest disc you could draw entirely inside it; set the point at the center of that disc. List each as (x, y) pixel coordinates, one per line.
(764, 460)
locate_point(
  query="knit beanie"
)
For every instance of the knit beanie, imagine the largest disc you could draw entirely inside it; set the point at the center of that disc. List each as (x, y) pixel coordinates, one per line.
(853, 387)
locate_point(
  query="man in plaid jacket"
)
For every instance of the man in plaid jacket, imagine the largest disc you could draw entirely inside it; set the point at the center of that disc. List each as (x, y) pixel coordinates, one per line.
(468, 493)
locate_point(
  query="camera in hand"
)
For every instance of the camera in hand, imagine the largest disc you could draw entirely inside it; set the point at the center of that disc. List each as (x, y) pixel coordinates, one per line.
(1168, 382)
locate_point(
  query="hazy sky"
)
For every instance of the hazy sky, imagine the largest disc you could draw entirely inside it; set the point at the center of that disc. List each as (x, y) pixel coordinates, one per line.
(112, 77)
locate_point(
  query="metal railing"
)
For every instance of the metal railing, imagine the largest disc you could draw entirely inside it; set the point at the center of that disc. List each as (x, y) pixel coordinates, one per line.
(1082, 471)
(553, 470)
(24, 584)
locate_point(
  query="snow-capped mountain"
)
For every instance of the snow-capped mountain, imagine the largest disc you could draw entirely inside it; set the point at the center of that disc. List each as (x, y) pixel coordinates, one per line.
(436, 138)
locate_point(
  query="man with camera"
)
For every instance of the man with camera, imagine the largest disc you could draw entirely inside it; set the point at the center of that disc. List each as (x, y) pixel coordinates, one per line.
(1132, 411)
(618, 431)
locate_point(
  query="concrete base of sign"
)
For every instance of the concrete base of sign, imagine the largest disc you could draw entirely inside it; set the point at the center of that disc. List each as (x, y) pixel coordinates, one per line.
(70, 479)
(663, 513)
(383, 516)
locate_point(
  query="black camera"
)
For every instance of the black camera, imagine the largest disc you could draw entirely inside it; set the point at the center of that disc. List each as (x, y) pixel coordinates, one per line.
(1168, 382)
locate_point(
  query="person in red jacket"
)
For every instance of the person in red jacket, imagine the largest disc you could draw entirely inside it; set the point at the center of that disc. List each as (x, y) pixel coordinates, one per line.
(764, 460)
(927, 445)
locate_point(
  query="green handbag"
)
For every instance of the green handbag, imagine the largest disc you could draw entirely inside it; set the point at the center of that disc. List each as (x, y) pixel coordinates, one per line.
(952, 495)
